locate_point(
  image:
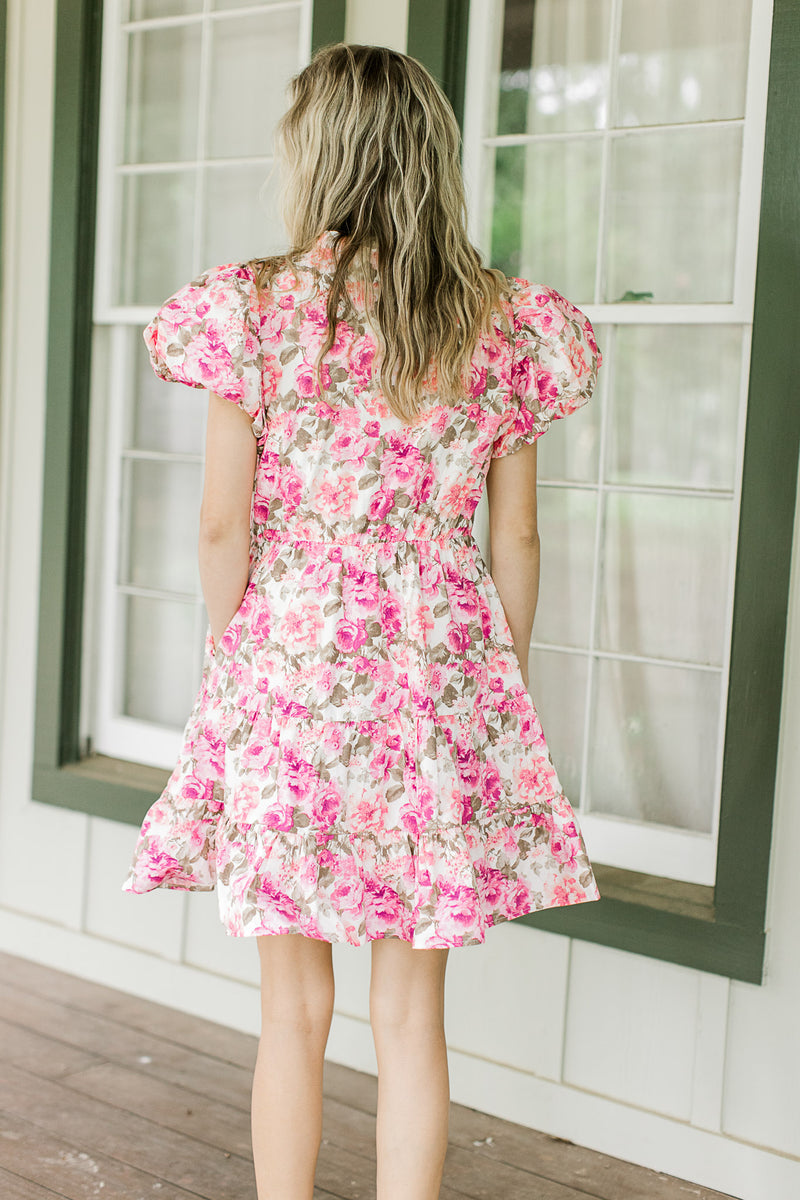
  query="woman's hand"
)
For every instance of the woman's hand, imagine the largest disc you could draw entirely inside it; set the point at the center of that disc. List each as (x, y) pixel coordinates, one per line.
(224, 542)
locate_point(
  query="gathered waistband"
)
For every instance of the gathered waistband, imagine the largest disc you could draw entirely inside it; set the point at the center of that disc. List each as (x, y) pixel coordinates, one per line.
(358, 537)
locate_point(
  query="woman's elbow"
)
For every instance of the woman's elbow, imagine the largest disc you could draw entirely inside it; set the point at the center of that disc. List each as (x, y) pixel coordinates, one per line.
(222, 527)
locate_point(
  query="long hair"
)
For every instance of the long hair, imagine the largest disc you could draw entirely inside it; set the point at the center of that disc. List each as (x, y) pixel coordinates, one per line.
(369, 148)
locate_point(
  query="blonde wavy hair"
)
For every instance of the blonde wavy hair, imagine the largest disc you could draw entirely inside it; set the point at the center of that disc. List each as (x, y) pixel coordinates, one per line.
(369, 148)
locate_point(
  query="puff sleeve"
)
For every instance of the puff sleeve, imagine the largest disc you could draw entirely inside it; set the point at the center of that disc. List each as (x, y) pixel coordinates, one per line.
(206, 336)
(555, 361)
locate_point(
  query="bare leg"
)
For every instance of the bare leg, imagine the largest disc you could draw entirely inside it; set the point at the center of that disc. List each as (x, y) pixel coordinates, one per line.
(297, 990)
(407, 1014)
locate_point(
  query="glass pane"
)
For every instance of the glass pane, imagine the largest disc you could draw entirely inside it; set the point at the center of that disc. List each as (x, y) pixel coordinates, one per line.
(160, 661)
(252, 60)
(553, 68)
(654, 744)
(566, 518)
(155, 258)
(142, 10)
(674, 413)
(166, 416)
(242, 218)
(558, 690)
(665, 576)
(544, 219)
(682, 61)
(163, 92)
(164, 503)
(673, 202)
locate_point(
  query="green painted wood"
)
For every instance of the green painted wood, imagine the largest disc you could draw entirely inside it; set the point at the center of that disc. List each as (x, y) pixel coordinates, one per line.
(769, 490)
(71, 787)
(327, 23)
(76, 111)
(728, 940)
(735, 951)
(437, 36)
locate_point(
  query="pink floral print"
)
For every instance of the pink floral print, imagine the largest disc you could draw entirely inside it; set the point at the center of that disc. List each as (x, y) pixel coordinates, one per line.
(363, 759)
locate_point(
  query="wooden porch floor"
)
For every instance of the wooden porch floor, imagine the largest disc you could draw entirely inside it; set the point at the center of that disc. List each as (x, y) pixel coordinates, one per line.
(104, 1095)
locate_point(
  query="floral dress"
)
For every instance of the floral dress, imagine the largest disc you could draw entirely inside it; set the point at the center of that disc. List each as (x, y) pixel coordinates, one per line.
(363, 759)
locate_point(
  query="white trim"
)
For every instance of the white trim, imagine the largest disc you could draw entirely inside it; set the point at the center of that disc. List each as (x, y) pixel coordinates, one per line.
(684, 854)
(598, 314)
(140, 741)
(192, 164)
(622, 131)
(744, 284)
(213, 14)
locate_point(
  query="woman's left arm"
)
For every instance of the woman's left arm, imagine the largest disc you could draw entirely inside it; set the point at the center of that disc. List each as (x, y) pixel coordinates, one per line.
(224, 543)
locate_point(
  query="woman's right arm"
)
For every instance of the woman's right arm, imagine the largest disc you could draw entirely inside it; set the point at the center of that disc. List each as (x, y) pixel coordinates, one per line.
(514, 542)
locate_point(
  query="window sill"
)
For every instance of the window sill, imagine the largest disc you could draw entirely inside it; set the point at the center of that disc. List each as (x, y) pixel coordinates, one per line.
(643, 914)
(101, 786)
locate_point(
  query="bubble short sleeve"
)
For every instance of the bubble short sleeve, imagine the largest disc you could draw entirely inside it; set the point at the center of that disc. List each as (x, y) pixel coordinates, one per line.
(205, 336)
(555, 361)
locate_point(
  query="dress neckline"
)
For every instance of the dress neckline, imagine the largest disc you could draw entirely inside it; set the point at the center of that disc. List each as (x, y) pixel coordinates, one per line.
(322, 253)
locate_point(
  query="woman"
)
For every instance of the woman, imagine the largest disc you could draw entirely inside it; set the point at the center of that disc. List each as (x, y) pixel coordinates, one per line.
(363, 762)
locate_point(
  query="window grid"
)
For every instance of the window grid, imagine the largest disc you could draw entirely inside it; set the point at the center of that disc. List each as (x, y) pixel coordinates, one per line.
(111, 731)
(617, 841)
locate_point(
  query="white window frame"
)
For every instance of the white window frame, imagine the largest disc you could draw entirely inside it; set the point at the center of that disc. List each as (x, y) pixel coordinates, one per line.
(106, 729)
(611, 840)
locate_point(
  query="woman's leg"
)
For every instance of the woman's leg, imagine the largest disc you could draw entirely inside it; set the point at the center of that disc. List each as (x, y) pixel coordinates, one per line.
(406, 1002)
(297, 989)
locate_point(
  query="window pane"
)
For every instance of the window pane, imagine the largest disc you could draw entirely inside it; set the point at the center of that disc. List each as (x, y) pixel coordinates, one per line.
(654, 743)
(673, 204)
(160, 660)
(164, 504)
(163, 90)
(252, 60)
(155, 258)
(241, 214)
(166, 416)
(682, 61)
(566, 519)
(554, 66)
(558, 689)
(673, 417)
(142, 10)
(544, 216)
(665, 576)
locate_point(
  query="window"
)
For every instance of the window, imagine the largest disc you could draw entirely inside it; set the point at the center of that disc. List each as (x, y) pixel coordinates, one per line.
(718, 929)
(613, 150)
(190, 96)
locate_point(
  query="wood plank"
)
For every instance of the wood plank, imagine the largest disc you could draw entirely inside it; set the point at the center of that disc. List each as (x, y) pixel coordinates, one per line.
(182, 1160)
(589, 1171)
(202, 1117)
(105, 1039)
(220, 1041)
(346, 1133)
(70, 1169)
(14, 1187)
(41, 1055)
(128, 1139)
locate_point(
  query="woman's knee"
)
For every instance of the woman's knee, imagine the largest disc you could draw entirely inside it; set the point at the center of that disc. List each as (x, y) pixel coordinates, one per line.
(297, 982)
(406, 987)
